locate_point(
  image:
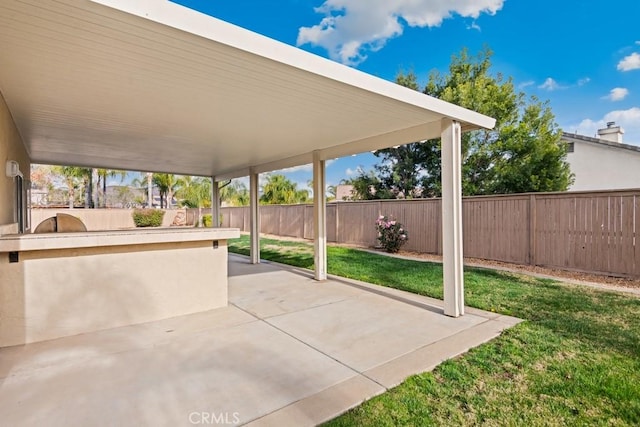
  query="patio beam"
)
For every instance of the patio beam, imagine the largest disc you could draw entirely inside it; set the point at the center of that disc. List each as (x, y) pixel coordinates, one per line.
(254, 217)
(319, 217)
(452, 250)
(215, 203)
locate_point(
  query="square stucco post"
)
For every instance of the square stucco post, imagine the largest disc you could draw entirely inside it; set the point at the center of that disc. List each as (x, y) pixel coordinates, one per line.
(319, 218)
(254, 218)
(215, 203)
(452, 254)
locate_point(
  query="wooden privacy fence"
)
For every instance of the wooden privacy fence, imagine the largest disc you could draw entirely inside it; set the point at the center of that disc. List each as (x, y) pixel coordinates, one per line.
(594, 232)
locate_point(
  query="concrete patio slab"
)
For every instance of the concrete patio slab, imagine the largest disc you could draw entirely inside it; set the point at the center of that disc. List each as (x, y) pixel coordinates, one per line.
(287, 351)
(352, 332)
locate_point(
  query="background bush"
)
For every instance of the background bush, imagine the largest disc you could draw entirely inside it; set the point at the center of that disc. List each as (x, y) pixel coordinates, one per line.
(148, 217)
(207, 220)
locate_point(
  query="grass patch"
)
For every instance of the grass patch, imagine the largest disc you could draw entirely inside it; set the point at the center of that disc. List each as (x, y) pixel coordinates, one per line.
(575, 361)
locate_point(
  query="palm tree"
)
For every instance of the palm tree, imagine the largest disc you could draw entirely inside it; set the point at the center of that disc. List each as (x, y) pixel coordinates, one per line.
(166, 184)
(331, 191)
(102, 179)
(149, 190)
(234, 193)
(278, 190)
(145, 180)
(194, 193)
(74, 177)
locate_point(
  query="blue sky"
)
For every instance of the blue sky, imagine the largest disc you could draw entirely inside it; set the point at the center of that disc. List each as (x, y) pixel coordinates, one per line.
(582, 56)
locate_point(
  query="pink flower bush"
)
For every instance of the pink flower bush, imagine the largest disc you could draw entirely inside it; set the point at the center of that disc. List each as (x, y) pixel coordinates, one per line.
(391, 234)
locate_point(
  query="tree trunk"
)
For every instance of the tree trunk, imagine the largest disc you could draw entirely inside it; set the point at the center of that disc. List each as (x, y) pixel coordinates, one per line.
(104, 192)
(88, 184)
(169, 199)
(149, 190)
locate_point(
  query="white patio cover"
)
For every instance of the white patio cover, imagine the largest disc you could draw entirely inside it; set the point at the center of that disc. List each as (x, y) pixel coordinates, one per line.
(151, 85)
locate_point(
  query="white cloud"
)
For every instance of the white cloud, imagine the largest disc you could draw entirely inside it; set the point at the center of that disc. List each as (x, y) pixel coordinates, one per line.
(629, 120)
(638, 42)
(303, 168)
(350, 28)
(583, 81)
(243, 180)
(526, 84)
(617, 94)
(474, 26)
(631, 62)
(550, 85)
(357, 171)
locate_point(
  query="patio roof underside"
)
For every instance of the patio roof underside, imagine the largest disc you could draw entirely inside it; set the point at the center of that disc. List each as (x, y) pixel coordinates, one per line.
(151, 85)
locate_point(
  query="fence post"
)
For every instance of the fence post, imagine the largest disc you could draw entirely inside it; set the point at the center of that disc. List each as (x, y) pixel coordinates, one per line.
(532, 229)
(337, 223)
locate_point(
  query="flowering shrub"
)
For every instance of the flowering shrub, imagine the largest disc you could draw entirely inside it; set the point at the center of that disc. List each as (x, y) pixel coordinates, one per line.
(391, 233)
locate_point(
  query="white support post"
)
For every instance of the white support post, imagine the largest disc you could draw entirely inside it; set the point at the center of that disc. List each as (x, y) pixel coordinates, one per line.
(255, 217)
(319, 218)
(452, 254)
(215, 203)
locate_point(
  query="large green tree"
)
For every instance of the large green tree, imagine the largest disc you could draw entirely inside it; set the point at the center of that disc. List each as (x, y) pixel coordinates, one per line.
(234, 193)
(193, 192)
(523, 153)
(278, 190)
(77, 178)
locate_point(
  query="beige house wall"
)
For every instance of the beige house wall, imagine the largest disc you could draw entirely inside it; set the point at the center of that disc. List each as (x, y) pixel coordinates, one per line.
(11, 148)
(600, 167)
(61, 292)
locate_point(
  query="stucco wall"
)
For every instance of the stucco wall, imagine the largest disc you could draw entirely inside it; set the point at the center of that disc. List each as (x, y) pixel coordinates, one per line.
(54, 293)
(11, 148)
(111, 219)
(598, 167)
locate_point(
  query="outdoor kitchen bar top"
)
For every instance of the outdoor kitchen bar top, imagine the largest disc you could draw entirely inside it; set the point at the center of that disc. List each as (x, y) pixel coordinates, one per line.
(86, 239)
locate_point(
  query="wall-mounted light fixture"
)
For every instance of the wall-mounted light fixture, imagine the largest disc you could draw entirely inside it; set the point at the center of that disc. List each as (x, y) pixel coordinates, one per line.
(13, 169)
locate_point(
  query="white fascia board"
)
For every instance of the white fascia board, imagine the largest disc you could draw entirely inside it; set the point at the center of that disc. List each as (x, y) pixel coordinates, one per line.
(378, 142)
(289, 162)
(226, 176)
(199, 24)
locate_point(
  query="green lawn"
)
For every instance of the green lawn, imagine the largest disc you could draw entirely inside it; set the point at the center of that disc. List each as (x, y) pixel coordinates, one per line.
(575, 361)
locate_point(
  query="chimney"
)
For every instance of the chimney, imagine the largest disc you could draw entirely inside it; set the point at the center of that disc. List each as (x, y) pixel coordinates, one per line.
(611, 133)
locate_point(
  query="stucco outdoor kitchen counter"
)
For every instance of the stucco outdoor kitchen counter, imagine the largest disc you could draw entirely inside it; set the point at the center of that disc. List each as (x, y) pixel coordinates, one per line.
(49, 241)
(60, 284)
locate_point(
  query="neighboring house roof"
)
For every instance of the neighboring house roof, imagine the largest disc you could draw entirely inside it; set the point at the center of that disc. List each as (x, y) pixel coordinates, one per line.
(344, 192)
(572, 137)
(152, 85)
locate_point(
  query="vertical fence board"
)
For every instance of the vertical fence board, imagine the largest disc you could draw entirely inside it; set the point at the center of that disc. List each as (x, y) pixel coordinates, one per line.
(357, 223)
(292, 221)
(332, 222)
(636, 235)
